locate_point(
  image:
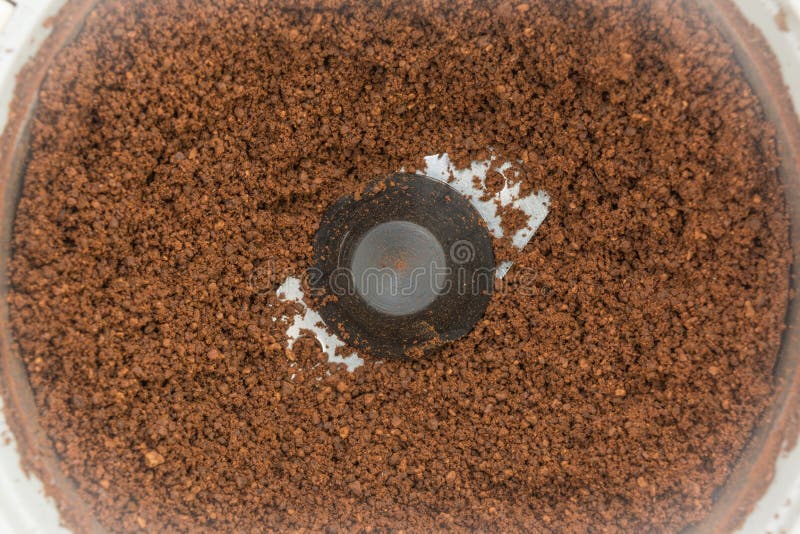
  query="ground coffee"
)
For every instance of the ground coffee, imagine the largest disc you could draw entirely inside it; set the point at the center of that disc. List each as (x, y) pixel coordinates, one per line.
(181, 157)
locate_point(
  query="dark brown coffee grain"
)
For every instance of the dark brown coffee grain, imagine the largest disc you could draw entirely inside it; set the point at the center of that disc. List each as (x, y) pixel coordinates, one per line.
(182, 154)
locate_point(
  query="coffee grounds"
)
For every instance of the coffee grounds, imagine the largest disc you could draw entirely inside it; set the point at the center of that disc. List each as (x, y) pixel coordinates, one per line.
(181, 157)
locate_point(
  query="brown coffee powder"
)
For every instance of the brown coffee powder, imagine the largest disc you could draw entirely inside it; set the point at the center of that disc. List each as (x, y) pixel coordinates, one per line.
(182, 155)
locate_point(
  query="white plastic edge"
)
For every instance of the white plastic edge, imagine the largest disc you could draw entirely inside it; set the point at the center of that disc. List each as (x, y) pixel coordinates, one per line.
(23, 507)
(779, 509)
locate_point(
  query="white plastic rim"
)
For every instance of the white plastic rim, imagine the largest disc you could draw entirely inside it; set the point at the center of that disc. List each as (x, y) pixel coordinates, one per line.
(23, 505)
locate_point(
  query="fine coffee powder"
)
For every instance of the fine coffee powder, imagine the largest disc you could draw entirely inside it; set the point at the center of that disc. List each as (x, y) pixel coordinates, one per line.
(182, 155)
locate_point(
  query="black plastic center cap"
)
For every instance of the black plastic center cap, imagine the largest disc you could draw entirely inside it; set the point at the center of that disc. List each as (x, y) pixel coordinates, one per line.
(407, 264)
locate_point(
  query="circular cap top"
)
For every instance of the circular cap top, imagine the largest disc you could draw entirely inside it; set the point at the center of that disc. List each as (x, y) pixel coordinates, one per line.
(398, 268)
(407, 263)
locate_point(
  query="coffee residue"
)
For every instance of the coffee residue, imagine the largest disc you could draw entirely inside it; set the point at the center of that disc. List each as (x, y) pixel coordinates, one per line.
(182, 154)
